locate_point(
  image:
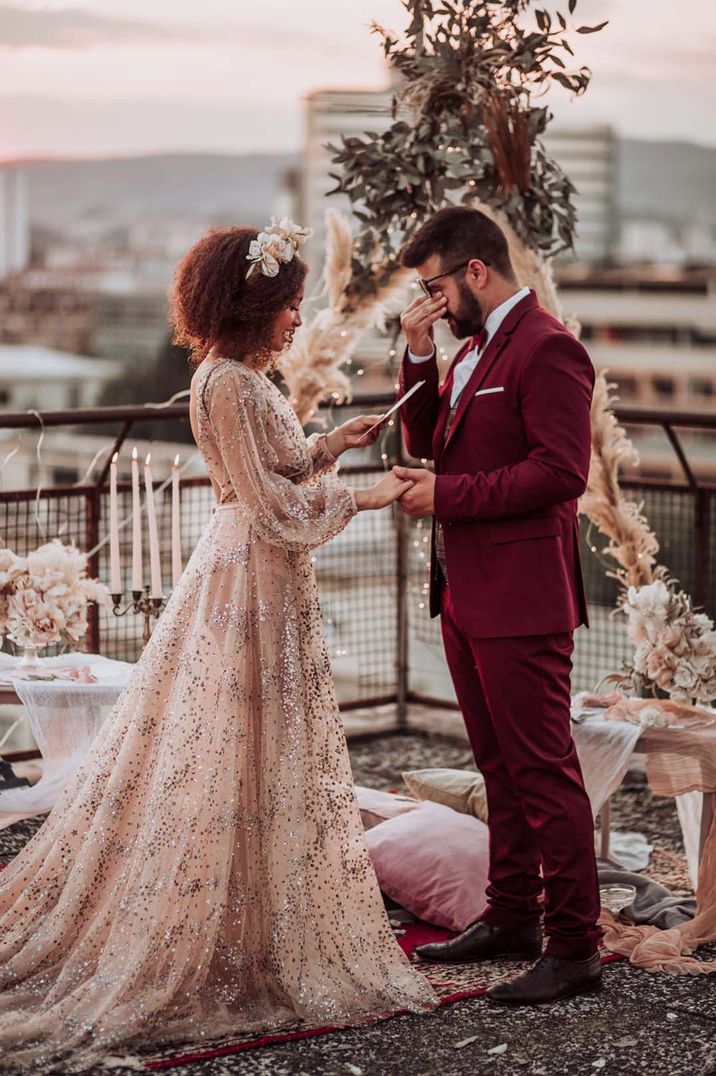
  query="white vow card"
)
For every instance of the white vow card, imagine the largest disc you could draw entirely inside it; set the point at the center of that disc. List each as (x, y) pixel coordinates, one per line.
(394, 408)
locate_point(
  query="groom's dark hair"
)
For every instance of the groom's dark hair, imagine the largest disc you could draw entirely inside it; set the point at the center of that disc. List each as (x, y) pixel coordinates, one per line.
(457, 234)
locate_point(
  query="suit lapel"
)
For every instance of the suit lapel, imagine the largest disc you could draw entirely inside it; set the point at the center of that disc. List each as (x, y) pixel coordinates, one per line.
(488, 359)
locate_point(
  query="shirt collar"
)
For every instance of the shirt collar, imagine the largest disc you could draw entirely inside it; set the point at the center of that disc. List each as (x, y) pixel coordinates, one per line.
(495, 318)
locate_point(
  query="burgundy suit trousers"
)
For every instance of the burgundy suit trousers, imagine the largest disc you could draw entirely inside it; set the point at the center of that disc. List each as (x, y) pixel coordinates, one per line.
(514, 694)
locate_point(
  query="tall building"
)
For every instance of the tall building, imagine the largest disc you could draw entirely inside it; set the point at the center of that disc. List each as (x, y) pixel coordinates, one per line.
(588, 156)
(14, 221)
(653, 329)
(329, 115)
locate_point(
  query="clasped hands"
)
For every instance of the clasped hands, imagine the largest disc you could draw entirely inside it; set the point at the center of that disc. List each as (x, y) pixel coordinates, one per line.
(412, 487)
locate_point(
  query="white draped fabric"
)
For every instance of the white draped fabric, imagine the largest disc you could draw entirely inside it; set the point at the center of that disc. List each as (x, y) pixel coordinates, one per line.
(64, 716)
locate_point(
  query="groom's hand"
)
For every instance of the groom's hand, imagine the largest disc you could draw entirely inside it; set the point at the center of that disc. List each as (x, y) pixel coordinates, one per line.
(419, 500)
(417, 322)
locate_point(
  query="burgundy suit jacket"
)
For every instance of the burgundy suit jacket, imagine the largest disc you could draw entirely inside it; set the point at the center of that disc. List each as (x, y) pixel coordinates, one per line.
(509, 475)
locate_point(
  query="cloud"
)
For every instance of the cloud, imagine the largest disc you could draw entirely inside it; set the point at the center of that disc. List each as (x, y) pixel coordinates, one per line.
(65, 29)
(51, 127)
(72, 28)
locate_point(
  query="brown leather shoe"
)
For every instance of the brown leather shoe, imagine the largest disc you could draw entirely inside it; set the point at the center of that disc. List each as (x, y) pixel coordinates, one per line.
(481, 941)
(550, 980)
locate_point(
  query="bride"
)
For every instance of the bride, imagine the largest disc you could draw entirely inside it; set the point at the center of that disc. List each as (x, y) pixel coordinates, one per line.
(205, 872)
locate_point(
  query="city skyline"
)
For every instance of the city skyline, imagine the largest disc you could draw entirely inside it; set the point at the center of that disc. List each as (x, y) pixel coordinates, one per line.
(114, 77)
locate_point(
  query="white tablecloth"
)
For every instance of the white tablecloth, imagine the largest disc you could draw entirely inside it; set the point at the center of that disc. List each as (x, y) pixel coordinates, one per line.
(604, 749)
(65, 717)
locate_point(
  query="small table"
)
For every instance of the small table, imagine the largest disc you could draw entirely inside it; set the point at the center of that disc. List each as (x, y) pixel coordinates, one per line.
(679, 762)
(65, 715)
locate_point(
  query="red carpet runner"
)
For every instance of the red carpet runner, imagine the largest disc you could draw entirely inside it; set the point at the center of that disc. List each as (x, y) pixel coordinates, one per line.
(451, 982)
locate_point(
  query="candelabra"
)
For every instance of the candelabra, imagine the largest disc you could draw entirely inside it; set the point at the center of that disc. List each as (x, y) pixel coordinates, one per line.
(143, 603)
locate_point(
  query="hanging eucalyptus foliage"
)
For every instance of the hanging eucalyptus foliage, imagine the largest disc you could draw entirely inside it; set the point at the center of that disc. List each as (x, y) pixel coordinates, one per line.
(466, 126)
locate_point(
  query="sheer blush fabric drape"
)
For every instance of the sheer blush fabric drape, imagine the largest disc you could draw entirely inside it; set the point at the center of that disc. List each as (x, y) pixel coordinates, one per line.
(678, 762)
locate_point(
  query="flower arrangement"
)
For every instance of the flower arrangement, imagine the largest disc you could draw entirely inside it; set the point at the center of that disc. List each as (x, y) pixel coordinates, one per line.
(44, 596)
(276, 245)
(675, 647)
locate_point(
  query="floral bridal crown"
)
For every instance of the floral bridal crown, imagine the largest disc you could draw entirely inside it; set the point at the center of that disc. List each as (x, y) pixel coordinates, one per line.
(276, 245)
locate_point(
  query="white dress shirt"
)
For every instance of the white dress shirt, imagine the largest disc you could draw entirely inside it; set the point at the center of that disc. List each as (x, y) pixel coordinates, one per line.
(464, 369)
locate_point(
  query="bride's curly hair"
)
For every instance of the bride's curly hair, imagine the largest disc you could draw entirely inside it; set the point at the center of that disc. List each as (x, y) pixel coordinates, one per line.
(212, 302)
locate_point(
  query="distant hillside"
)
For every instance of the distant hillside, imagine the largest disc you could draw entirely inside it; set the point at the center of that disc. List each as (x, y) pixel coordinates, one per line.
(62, 193)
(671, 181)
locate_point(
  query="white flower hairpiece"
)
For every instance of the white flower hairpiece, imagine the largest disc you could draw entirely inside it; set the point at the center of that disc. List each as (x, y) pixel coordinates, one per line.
(276, 245)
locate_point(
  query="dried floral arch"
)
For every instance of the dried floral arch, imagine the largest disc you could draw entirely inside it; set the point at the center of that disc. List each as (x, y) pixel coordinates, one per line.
(466, 129)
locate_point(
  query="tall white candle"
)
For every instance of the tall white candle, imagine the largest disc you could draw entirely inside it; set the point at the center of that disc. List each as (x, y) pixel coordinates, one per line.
(176, 524)
(137, 567)
(115, 575)
(154, 560)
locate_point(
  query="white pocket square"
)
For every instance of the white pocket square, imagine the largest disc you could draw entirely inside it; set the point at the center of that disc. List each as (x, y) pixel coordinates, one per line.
(484, 392)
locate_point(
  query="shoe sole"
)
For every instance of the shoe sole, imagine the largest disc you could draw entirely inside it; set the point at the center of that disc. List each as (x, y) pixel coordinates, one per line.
(592, 988)
(480, 959)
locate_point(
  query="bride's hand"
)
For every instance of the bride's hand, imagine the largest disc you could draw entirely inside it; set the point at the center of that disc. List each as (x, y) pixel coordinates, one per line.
(382, 493)
(353, 434)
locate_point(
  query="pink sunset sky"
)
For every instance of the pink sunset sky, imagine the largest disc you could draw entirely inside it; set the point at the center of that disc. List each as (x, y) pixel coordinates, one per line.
(112, 77)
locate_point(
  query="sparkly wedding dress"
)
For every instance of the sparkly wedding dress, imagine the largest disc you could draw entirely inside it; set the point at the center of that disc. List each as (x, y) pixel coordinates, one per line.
(205, 872)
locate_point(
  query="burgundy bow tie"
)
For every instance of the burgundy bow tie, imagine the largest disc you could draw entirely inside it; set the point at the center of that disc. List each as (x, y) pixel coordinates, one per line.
(478, 342)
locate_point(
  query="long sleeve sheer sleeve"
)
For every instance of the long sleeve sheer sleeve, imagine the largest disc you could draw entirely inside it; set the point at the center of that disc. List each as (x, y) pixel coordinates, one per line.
(284, 512)
(322, 459)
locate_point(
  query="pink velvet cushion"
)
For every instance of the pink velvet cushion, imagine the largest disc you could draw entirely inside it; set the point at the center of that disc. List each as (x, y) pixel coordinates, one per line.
(433, 861)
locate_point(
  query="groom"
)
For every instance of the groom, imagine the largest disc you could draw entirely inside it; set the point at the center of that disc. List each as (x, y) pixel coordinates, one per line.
(509, 434)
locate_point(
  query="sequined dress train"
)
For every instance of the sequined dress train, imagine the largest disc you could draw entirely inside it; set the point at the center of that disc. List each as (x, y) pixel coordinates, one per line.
(205, 872)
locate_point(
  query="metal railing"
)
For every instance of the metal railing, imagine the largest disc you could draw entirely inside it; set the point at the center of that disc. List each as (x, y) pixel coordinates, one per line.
(373, 577)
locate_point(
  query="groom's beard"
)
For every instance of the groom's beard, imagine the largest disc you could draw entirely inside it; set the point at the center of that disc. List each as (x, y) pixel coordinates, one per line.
(468, 319)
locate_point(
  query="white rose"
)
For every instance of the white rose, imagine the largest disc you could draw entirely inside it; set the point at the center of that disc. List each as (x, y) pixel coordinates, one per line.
(42, 625)
(22, 603)
(652, 599)
(684, 676)
(706, 643)
(704, 665)
(660, 661)
(56, 592)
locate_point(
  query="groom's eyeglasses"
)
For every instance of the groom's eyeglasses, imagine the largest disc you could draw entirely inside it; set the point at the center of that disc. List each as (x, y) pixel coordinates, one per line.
(425, 285)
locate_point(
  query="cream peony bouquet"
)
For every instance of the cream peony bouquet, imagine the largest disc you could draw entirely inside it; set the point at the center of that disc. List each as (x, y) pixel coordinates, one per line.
(675, 647)
(44, 596)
